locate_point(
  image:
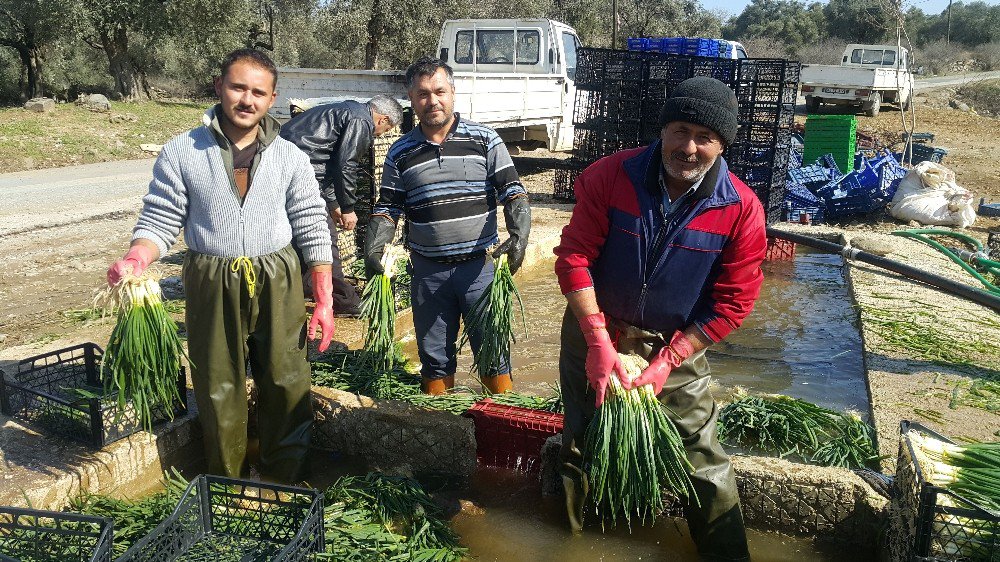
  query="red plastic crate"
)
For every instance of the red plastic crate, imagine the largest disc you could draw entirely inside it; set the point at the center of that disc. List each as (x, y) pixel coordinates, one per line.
(779, 250)
(511, 436)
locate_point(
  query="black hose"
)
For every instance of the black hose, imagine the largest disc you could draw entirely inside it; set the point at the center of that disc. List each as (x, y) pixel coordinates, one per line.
(961, 289)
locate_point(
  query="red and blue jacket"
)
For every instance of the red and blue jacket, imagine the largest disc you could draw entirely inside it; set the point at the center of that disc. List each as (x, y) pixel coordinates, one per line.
(701, 267)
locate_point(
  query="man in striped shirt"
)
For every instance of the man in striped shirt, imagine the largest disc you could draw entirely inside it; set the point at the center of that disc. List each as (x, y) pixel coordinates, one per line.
(447, 177)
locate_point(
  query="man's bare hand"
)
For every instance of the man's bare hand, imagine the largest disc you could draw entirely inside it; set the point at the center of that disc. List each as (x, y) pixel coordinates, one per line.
(347, 221)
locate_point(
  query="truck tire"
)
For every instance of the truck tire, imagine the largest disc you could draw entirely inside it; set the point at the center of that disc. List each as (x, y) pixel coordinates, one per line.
(812, 104)
(872, 107)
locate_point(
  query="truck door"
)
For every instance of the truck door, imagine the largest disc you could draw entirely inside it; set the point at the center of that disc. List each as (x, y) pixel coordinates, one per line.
(570, 43)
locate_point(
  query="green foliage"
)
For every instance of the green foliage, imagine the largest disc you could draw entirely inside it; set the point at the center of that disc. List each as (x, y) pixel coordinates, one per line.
(827, 51)
(859, 21)
(641, 18)
(28, 27)
(786, 21)
(972, 24)
(69, 135)
(133, 519)
(785, 426)
(376, 518)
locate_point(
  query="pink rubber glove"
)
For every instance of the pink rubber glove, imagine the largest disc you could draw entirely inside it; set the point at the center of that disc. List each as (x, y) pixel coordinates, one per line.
(602, 358)
(667, 359)
(135, 262)
(322, 317)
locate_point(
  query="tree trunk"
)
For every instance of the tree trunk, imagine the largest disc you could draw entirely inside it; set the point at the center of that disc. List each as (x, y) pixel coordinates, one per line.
(376, 29)
(29, 62)
(130, 80)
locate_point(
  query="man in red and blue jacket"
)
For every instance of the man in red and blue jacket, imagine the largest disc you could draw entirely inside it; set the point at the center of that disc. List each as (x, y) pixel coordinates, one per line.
(662, 258)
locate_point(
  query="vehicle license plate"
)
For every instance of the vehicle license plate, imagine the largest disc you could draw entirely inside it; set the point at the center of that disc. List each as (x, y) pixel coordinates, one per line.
(834, 90)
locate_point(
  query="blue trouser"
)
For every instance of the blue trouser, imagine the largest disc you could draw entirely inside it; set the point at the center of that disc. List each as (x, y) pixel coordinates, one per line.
(440, 294)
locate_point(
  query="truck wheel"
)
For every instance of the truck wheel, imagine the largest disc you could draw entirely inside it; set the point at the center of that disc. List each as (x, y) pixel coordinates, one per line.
(812, 104)
(872, 108)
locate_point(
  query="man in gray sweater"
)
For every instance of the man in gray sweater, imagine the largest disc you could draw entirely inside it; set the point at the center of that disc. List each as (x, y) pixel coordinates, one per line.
(242, 194)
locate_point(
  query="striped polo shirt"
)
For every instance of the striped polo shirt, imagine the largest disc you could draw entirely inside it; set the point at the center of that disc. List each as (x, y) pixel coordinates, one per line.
(449, 192)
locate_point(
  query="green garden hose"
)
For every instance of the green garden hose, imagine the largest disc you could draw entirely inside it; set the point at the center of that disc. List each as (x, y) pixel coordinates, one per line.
(977, 257)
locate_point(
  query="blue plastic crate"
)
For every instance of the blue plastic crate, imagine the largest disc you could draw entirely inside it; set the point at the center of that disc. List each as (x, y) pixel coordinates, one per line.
(672, 45)
(853, 203)
(889, 177)
(830, 163)
(640, 44)
(799, 196)
(847, 196)
(809, 175)
(883, 158)
(794, 158)
(700, 46)
(868, 177)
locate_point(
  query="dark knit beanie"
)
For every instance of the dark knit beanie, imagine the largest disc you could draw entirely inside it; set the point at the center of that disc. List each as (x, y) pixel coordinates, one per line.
(703, 101)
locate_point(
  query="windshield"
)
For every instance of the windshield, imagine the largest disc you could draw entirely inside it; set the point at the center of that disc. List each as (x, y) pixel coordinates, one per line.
(883, 57)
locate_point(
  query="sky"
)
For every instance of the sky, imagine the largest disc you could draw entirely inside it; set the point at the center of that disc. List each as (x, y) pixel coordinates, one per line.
(734, 7)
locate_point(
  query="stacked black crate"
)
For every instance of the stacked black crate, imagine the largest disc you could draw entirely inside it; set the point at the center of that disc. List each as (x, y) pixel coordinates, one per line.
(620, 93)
(607, 111)
(765, 90)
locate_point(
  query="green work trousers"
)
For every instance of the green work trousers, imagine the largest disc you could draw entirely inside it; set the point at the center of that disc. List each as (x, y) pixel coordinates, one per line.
(229, 330)
(717, 525)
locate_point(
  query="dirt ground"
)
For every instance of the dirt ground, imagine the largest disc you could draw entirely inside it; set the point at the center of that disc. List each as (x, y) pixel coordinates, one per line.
(50, 271)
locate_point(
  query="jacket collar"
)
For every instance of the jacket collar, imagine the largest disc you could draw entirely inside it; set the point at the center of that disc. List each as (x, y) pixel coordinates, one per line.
(643, 170)
(267, 129)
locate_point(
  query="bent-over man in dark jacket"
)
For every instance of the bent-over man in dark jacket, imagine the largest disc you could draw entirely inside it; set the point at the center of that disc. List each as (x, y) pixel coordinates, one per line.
(336, 136)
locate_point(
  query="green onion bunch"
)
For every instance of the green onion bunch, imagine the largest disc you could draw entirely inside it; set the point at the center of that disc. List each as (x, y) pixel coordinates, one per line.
(377, 517)
(143, 357)
(633, 452)
(852, 447)
(971, 470)
(492, 317)
(785, 426)
(133, 519)
(378, 307)
(347, 371)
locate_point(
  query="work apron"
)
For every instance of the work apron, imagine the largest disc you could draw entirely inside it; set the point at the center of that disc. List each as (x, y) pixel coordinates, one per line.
(717, 524)
(238, 316)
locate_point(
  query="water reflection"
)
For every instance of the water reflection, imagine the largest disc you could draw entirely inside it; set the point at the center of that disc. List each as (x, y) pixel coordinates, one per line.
(800, 340)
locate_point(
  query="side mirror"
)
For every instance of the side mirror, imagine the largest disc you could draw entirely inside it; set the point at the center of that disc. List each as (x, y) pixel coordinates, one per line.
(444, 54)
(552, 55)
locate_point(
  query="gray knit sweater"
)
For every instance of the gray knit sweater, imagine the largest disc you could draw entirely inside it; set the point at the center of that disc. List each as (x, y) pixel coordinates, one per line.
(191, 189)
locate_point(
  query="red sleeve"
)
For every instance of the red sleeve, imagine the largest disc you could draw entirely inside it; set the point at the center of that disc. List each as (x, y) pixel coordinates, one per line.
(583, 238)
(740, 277)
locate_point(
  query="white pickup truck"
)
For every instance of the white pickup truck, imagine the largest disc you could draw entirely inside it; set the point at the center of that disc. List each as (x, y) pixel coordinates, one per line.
(515, 75)
(868, 75)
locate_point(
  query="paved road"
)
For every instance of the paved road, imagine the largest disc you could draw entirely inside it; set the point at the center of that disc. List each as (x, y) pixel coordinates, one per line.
(59, 196)
(953, 80)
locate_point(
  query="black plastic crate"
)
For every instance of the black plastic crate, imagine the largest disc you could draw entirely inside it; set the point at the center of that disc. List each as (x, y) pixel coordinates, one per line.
(42, 392)
(633, 86)
(932, 524)
(221, 519)
(50, 536)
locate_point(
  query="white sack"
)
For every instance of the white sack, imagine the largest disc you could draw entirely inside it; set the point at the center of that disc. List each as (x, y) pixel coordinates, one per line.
(929, 195)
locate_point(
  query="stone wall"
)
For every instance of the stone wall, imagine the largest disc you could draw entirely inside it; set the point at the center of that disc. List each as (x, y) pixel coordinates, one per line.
(832, 505)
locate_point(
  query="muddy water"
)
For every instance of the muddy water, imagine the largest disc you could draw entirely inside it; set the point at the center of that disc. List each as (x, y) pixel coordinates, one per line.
(800, 339)
(518, 524)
